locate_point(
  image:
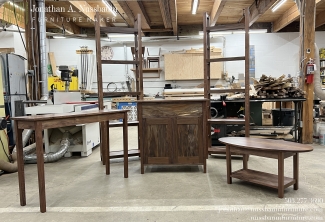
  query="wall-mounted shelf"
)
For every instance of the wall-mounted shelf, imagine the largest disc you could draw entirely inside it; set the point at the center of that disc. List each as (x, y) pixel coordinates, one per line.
(150, 70)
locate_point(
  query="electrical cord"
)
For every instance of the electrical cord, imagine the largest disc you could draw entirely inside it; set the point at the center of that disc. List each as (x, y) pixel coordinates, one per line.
(111, 83)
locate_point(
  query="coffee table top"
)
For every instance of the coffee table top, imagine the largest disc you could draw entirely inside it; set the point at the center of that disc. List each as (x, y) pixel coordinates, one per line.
(266, 144)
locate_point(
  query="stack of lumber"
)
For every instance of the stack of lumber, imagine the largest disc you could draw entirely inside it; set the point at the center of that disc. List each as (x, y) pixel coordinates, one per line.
(195, 92)
(269, 87)
(267, 132)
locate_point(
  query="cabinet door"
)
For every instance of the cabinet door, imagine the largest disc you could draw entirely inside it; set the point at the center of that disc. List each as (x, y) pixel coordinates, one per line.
(189, 140)
(157, 140)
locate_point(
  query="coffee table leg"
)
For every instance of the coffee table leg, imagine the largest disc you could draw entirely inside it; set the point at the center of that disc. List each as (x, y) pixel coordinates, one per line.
(245, 158)
(280, 174)
(40, 166)
(228, 159)
(296, 171)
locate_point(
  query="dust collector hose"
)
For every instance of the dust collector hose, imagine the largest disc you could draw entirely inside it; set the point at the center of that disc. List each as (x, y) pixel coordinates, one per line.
(52, 157)
(317, 86)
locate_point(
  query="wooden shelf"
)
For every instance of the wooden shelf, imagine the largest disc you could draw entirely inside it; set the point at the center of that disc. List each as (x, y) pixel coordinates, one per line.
(119, 154)
(215, 90)
(261, 178)
(120, 124)
(150, 70)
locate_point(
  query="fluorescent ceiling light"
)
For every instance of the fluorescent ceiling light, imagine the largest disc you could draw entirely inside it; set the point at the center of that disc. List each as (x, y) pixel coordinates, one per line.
(114, 35)
(58, 37)
(252, 31)
(278, 5)
(110, 7)
(195, 4)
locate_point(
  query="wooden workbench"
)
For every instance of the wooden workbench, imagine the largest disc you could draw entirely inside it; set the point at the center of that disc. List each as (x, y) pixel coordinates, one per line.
(41, 122)
(276, 149)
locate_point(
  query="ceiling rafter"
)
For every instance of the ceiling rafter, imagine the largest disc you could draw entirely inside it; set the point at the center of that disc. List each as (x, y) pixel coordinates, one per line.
(8, 15)
(80, 7)
(217, 8)
(258, 8)
(320, 19)
(62, 23)
(289, 16)
(173, 12)
(128, 12)
(165, 13)
(143, 11)
(135, 10)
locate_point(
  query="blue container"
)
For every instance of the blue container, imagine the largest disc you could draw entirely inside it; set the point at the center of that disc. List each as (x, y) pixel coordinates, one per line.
(132, 106)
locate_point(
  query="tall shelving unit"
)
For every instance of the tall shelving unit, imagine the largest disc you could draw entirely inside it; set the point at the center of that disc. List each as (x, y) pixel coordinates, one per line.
(207, 90)
(137, 31)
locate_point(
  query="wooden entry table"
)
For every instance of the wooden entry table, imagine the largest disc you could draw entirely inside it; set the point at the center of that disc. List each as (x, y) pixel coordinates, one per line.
(276, 149)
(40, 122)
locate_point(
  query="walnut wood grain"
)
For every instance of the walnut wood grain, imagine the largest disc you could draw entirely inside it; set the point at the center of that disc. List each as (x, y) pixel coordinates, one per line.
(264, 144)
(41, 122)
(172, 133)
(261, 178)
(266, 148)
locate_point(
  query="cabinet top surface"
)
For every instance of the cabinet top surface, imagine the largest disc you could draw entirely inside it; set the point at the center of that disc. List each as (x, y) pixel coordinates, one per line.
(67, 115)
(171, 100)
(266, 144)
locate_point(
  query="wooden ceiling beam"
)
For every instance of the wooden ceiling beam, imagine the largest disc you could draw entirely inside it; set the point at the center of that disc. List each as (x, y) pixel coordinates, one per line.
(8, 15)
(289, 16)
(165, 13)
(135, 9)
(173, 12)
(258, 9)
(157, 30)
(320, 19)
(128, 12)
(217, 8)
(143, 12)
(58, 21)
(81, 6)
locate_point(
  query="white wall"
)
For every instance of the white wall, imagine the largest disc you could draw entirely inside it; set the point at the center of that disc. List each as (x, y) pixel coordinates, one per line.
(275, 54)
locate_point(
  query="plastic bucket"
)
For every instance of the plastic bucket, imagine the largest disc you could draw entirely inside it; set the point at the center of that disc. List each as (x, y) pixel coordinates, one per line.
(285, 117)
(322, 135)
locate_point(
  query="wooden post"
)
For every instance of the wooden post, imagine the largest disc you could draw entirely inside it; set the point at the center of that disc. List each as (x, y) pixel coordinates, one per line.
(308, 52)
(247, 85)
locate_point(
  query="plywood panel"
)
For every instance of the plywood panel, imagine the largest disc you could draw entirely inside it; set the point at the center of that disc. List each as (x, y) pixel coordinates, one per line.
(190, 66)
(178, 66)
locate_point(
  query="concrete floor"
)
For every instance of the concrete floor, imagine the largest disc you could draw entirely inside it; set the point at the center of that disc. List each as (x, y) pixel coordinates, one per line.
(77, 189)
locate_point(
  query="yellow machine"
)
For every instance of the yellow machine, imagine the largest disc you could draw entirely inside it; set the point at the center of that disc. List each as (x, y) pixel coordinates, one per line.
(60, 85)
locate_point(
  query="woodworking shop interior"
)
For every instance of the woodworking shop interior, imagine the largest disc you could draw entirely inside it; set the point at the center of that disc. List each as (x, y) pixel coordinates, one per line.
(162, 110)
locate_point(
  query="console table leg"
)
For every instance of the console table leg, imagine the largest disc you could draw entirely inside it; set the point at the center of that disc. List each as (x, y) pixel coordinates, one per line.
(105, 145)
(296, 171)
(228, 160)
(40, 166)
(280, 174)
(125, 145)
(20, 162)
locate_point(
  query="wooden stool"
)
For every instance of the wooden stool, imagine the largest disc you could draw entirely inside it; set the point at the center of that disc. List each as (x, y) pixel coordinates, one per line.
(143, 59)
(153, 58)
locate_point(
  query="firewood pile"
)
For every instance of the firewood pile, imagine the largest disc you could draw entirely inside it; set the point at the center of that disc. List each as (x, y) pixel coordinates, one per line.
(269, 87)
